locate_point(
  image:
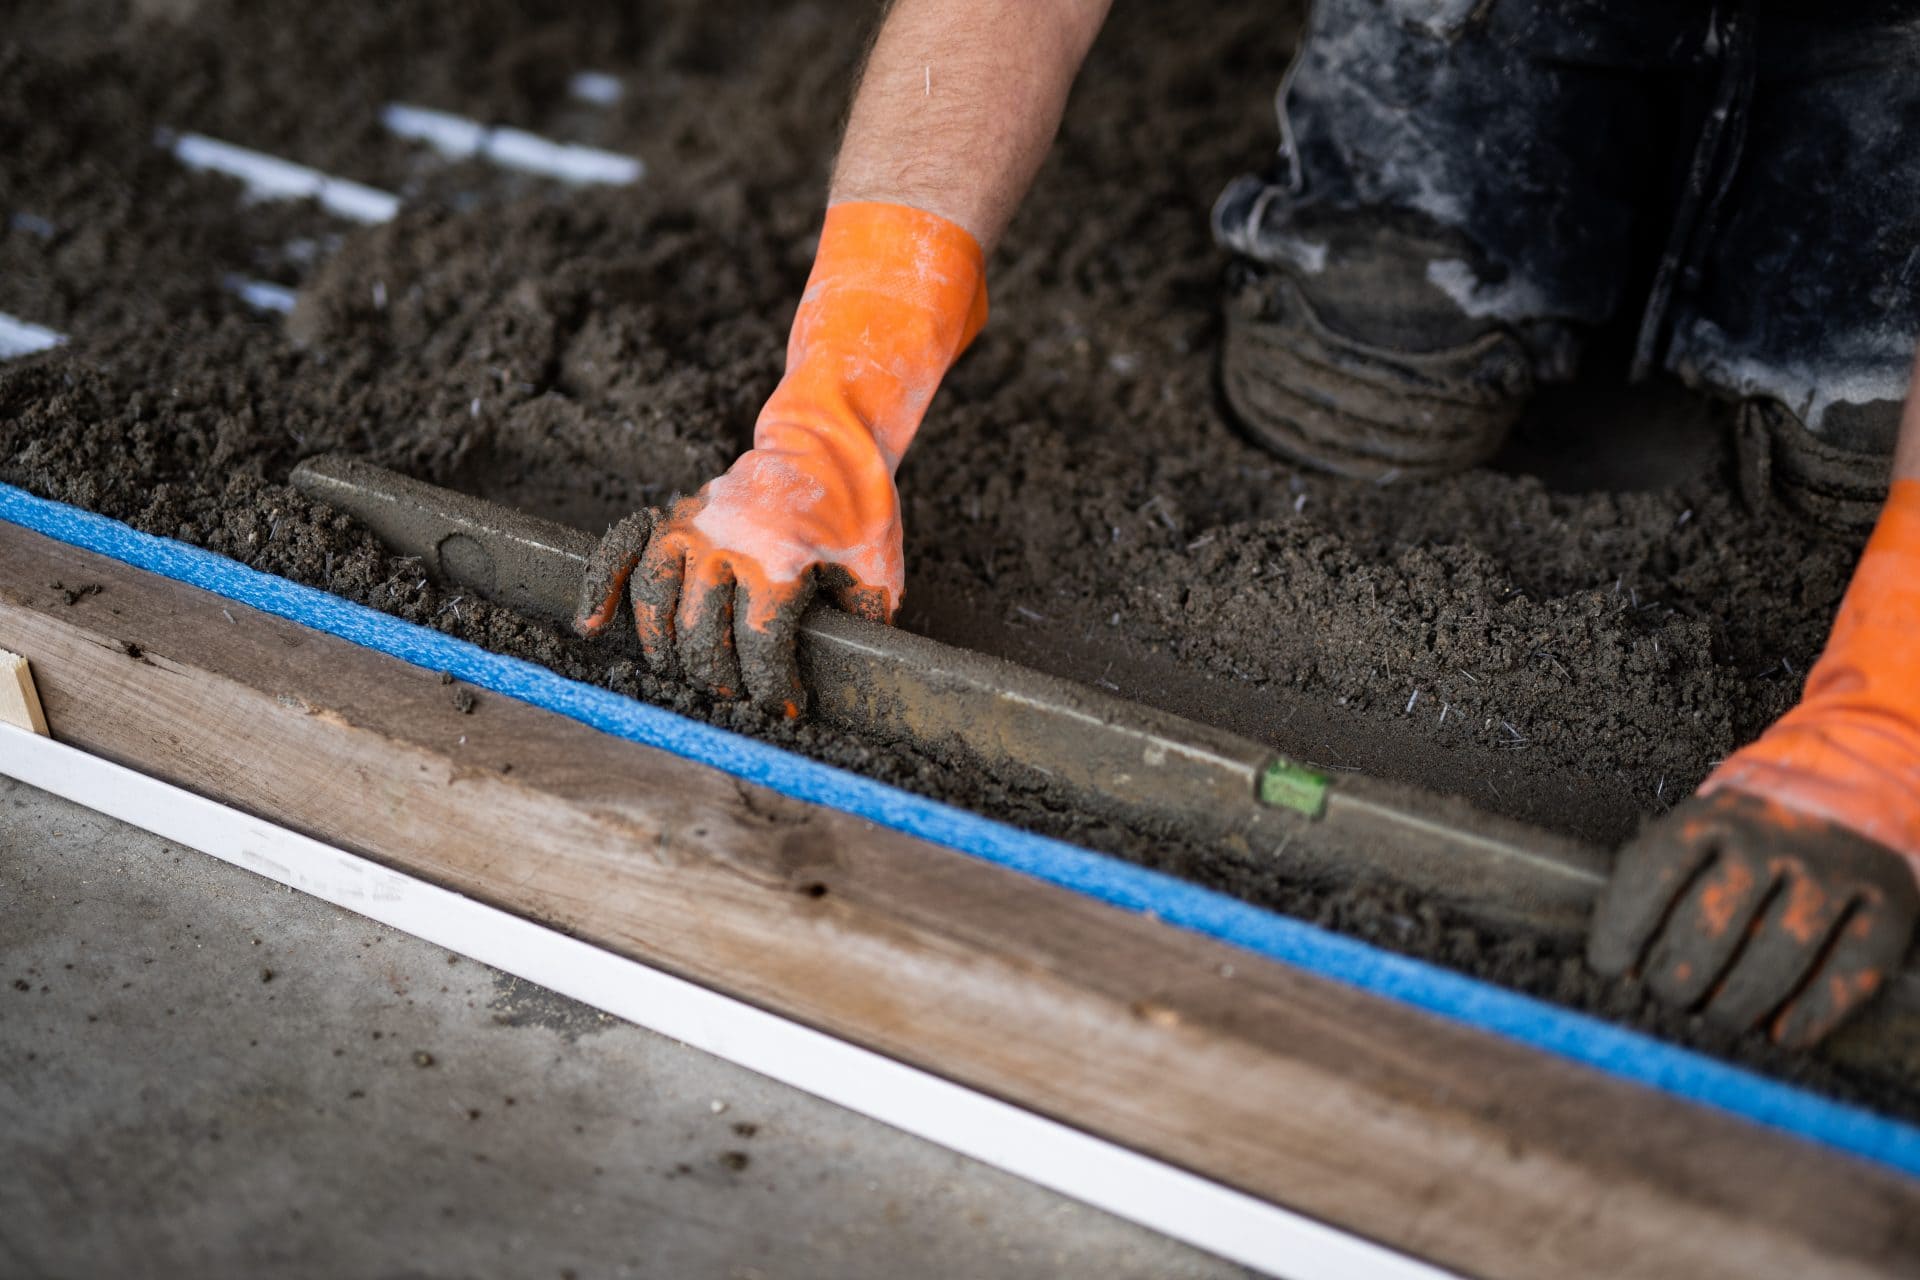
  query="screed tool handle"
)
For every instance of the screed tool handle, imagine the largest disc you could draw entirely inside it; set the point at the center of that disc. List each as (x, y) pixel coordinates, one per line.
(875, 678)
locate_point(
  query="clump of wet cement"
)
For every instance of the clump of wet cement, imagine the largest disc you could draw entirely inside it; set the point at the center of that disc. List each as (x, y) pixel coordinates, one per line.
(585, 353)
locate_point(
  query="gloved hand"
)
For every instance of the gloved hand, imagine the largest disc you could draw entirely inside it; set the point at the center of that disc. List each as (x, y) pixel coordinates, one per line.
(1787, 890)
(719, 580)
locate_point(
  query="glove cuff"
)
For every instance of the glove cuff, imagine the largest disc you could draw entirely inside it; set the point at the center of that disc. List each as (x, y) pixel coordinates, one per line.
(896, 294)
(1850, 750)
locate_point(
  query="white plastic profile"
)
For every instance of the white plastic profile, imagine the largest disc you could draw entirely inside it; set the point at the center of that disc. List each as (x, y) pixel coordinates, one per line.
(458, 138)
(268, 177)
(23, 338)
(597, 87)
(261, 295)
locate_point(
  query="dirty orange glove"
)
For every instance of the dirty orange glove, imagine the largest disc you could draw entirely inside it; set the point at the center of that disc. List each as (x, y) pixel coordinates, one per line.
(1786, 891)
(719, 580)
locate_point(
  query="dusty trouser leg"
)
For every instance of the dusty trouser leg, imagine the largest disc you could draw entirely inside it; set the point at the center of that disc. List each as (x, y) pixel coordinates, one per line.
(1806, 301)
(1454, 200)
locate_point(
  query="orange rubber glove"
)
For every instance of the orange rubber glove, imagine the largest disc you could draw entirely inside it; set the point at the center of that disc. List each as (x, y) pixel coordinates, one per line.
(719, 580)
(1787, 890)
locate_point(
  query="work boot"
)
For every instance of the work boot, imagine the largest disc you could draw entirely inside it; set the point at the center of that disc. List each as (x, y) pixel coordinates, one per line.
(1332, 401)
(1444, 219)
(1816, 478)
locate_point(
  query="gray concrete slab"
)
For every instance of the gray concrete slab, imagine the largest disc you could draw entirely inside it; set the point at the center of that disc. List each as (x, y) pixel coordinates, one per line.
(203, 1073)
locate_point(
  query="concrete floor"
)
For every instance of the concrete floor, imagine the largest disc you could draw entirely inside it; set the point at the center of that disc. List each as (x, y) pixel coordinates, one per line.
(205, 1074)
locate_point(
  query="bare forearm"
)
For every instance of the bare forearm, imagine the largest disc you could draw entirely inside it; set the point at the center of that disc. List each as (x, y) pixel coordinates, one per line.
(959, 103)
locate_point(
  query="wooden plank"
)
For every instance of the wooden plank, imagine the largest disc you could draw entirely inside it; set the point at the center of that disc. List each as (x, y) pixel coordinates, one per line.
(19, 700)
(1453, 1145)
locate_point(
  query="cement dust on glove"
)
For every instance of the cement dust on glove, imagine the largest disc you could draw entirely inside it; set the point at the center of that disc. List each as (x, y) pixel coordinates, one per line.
(718, 581)
(1785, 893)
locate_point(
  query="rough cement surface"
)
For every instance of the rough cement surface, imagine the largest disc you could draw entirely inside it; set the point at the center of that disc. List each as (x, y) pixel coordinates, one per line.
(1580, 651)
(204, 1074)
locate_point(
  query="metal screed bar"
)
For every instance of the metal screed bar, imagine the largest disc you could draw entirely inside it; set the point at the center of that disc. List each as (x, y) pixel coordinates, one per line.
(1114, 757)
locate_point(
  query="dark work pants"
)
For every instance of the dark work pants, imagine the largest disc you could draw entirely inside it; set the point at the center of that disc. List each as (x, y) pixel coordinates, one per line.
(1743, 177)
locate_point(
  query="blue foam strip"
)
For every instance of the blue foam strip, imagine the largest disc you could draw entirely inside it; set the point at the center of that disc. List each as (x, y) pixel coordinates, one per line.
(1613, 1049)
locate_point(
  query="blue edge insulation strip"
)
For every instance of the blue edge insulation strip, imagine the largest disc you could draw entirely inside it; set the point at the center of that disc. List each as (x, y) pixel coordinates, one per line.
(1612, 1049)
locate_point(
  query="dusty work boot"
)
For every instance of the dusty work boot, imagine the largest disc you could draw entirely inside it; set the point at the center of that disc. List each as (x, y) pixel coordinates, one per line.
(1320, 396)
(1444, 222)
(1836, 479)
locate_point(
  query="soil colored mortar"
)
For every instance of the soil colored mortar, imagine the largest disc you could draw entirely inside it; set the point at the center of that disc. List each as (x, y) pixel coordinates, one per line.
(1582, 654)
